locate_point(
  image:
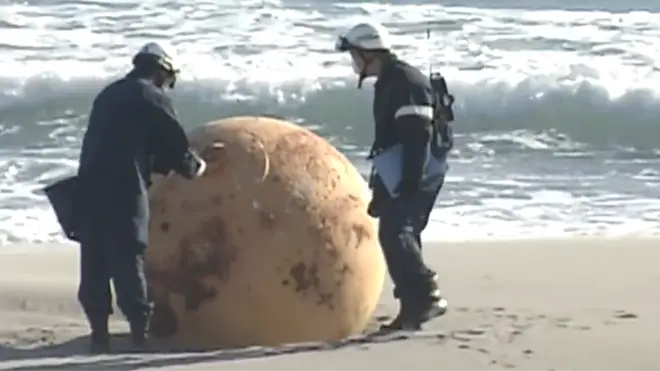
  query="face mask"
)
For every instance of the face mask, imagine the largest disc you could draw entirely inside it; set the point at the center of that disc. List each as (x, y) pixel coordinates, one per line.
(170, 83)
(356, 66)
(169, 80)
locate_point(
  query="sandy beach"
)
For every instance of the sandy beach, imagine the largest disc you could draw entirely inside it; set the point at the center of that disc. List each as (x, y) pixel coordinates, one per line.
(529, 304)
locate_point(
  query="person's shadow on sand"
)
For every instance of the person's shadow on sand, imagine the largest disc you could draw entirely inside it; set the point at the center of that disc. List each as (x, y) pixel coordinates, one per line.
(72, 355)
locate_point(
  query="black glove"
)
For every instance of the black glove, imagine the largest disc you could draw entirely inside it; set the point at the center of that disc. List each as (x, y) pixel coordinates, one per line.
(379, 197)
(373, 209)
(192, 165)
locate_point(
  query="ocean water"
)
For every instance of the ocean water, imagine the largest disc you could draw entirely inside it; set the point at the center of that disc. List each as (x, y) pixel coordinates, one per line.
(557, 103)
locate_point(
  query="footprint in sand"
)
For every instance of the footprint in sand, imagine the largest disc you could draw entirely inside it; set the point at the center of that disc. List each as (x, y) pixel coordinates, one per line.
(617, 315)
(622, 314)
(468, 335)
(562, 322)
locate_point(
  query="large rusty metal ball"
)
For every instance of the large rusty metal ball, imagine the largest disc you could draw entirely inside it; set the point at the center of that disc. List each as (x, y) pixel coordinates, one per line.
(272, 245)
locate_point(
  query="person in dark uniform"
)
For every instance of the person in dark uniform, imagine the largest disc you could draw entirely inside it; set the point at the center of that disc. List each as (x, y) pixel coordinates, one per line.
(407, 112)
(132, 132)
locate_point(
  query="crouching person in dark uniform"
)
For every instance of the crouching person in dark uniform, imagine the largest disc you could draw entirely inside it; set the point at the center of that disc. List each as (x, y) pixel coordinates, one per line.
(132, 132)
(404, 107)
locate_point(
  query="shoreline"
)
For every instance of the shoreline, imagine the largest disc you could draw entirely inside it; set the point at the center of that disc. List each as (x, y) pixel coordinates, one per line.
(493, 241)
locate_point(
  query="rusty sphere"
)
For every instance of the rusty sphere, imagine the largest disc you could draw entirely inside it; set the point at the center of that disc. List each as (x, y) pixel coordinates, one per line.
(272, 245)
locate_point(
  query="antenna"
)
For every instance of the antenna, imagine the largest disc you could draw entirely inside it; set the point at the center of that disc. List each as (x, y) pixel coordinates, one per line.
(428, 48)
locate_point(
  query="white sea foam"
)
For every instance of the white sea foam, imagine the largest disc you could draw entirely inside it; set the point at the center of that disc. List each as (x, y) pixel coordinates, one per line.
(557, 109)
(274, 42)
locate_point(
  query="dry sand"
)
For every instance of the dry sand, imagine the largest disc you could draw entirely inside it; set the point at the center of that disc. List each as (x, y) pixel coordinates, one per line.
(535, 304)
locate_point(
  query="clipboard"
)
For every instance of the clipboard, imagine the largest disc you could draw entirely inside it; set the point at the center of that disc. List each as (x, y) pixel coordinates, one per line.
(389, 167)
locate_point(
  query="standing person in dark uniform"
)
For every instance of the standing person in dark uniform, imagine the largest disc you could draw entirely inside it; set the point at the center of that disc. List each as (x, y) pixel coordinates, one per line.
(132, 132)
(407, 112)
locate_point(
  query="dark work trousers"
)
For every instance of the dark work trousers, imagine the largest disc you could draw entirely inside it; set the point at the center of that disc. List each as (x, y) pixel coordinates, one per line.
(105, 258)
(402, 221)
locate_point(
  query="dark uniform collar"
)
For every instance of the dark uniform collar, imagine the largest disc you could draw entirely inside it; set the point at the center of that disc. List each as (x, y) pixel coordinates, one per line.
(138, 74)
(388, 63)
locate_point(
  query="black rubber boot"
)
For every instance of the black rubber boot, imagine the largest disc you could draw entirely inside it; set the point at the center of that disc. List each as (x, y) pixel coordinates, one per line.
(415, 310)
(403, 320)
(425, 310)
(139, 335)
(99, 340)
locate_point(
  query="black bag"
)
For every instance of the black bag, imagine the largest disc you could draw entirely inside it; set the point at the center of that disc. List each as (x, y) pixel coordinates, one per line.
(443, 138)
(62, 196)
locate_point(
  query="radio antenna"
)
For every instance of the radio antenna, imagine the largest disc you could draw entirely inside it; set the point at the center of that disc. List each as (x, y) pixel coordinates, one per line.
(428, 48)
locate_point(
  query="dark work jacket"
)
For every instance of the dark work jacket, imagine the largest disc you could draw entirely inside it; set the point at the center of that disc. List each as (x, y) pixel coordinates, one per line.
(132, 132)
(403, 109)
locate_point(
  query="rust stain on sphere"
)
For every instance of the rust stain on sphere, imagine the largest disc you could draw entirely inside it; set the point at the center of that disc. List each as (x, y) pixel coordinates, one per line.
(273, 245)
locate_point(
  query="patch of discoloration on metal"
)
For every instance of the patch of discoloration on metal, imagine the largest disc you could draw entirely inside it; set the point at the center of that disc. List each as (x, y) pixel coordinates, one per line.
(193, 206)
(267, 220)
(304, 280)
(307, 171)
(356, 200)
(362, 232)
(338, 231)
(164, 322)
(158, 205)
(217, 200)
(172, 185)
(205, 253)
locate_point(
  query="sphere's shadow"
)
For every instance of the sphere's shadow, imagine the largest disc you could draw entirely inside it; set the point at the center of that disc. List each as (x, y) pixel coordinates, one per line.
(70, 355)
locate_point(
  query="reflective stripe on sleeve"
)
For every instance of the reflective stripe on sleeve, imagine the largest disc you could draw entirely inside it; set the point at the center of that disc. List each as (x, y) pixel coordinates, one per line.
(422, 111)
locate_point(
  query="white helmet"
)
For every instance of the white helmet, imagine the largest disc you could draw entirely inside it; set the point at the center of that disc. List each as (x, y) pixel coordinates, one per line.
(164, 54)
(367, 36)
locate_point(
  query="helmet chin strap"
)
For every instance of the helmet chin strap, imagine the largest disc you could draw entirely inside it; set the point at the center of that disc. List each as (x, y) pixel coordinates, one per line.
(363, 72)
(363, 76)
